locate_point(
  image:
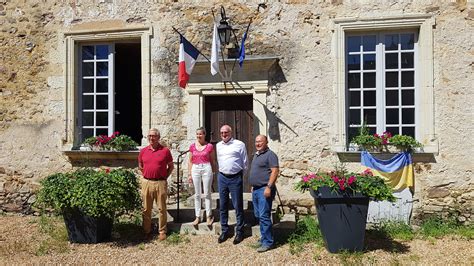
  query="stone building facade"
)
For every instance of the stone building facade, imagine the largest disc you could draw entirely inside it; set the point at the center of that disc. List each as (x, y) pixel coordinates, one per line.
(303, 59)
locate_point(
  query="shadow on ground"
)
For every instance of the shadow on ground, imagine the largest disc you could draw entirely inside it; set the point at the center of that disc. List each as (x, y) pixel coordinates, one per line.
(379, 240)
(127, 234)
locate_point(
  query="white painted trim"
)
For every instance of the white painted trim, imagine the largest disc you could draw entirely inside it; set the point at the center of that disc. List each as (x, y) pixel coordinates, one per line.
(424, 23)
(72, 39)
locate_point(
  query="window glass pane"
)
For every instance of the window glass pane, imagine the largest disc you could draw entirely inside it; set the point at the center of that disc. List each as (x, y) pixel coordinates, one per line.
(410, 131)
(87, 102)
(102, 51)
(102, 131)
(354, 98)
(408, 97)
(369, 80)
(391, 79)
(392, 116)
(369, 61)
(391, 97)
(372, 130)
(102, 68)
(87, 132)
(87, 118)
(102, 85)
(369, 98)
(407, 41)
(102, 119)
(370, 116)
(87, 52)
(353, 131)
(88, 69)
(408, 78)
(353, 44)
(354, 80)
(87, 85)
(393, 130)
(102, 102)
(408, 115)
(391, 61)
(391, 42)
(407, 60)
(354, 117)
(353, 62)
(369, 43)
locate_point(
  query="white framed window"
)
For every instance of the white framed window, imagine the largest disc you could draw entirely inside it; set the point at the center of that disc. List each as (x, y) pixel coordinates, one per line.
(96, 90)
(107, 80)
(384, 75)
(381, 82)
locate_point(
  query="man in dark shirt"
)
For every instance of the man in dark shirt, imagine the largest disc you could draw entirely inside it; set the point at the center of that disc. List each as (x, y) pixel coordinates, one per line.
(156, 164)
(263, 175)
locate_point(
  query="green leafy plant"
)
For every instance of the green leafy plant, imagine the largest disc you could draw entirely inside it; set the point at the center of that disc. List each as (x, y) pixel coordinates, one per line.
(404, 142)
(378, 142)
(341, 181)
(95, 192)
(307, 231)
(114, 142)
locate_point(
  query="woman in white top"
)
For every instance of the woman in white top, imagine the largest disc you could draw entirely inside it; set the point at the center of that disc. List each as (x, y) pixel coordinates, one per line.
(202, 162)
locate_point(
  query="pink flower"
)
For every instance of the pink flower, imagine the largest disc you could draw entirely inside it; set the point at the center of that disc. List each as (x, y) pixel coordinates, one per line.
(368, 172)
(305, 178)
(351, 180)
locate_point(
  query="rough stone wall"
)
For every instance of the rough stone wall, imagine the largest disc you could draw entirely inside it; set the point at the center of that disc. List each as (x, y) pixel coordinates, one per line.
(300, 33)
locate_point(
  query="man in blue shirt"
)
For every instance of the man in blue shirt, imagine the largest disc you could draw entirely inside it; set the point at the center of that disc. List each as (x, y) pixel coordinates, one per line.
(263, 175)
(232, 160)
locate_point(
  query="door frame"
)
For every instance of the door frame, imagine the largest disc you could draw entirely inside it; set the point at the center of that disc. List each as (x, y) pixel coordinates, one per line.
(197, 92)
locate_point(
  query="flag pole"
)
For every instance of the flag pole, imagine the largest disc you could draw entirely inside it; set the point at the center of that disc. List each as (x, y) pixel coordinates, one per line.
(242, 44)
(194, 46)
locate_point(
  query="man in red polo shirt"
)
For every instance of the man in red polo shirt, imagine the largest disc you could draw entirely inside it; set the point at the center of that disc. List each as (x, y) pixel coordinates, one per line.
(156, 164)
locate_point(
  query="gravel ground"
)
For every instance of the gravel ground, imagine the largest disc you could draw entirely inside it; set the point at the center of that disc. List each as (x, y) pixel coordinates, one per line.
(20, 240)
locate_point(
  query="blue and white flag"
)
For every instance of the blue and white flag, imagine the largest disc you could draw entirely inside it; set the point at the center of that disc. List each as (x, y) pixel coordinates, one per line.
(242, 50)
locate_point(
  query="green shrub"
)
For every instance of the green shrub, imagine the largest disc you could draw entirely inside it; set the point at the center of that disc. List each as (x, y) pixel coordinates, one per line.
(96, 192)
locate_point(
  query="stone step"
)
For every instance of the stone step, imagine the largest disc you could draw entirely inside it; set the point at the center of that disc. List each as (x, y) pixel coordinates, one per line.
(286, 225)
(188, 215)
(215, 201)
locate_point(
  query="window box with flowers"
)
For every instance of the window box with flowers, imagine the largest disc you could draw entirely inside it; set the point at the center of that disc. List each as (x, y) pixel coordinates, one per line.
(114, 147)
(384, 146)
(342, 200)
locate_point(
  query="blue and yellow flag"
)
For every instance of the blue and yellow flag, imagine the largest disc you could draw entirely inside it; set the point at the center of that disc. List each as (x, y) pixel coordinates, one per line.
(397, 171)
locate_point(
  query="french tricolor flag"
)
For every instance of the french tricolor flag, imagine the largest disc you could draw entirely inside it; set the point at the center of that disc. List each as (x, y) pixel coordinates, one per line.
(187, 58)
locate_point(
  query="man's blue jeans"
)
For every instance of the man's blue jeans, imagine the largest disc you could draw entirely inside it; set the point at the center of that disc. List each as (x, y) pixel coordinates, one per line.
(262, 208)
(234, 186)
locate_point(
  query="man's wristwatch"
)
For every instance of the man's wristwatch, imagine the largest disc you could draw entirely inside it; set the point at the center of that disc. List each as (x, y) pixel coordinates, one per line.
(269, 186)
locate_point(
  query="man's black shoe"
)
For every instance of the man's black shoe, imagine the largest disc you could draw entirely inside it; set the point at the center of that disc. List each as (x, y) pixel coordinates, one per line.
(223, 237)
(238, 238)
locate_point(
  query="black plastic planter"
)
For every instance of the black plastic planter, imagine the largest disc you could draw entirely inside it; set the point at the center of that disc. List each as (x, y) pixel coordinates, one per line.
(342, 218)
(85, 229)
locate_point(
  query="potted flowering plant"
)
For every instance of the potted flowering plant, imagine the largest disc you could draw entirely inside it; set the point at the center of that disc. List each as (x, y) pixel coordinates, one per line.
(342, 200)
(114, 142)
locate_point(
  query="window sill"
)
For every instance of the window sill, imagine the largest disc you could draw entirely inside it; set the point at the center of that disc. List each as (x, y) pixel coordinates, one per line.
(354, 156)
(77, 155)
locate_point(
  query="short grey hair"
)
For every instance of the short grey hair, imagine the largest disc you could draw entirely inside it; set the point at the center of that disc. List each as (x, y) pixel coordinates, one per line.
(154, 130)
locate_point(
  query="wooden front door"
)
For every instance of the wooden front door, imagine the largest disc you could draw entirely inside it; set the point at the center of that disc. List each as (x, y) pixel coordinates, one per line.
(235, 111)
